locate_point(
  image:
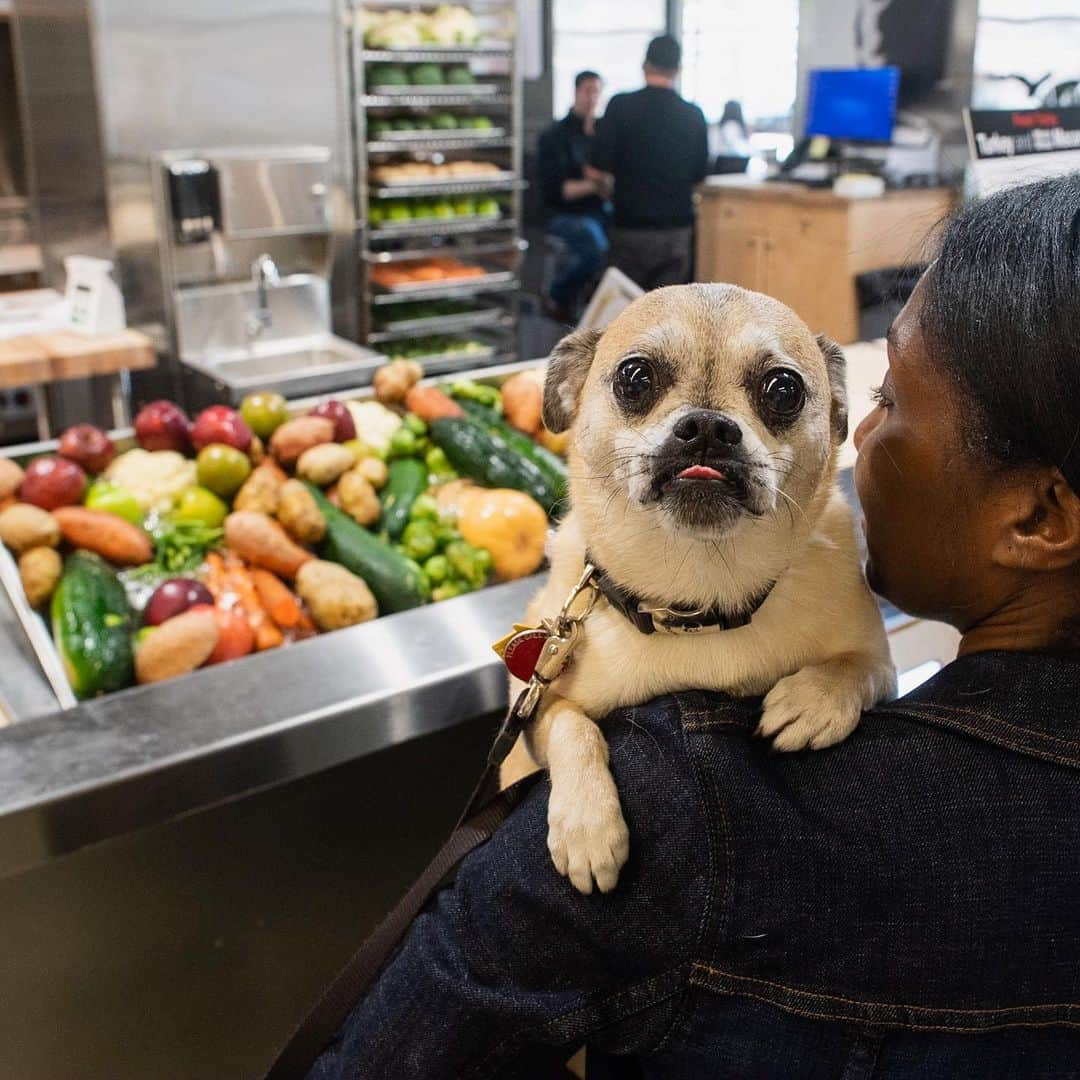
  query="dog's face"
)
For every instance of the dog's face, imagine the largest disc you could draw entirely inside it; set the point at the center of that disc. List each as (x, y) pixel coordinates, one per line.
(703, 406)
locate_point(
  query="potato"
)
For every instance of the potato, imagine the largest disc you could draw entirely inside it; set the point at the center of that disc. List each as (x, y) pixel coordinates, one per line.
(257, 450)
(295, 436)
(11, 476)
(261, 489)
(522, 398)
(39, 570)
(335, 597)
(23, 526)
(300, 514)
(394, 380)
(322, 465)
(358, 498)
(178, 645)
(373, 470)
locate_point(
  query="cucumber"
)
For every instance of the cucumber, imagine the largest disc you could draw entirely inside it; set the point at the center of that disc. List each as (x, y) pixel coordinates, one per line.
(396, 582)
(482, 455)
(553, 466)
(406, 479)
(92, 626)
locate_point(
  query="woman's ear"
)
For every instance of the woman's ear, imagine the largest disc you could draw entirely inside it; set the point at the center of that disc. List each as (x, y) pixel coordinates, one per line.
(1042, 524)
(566, 372)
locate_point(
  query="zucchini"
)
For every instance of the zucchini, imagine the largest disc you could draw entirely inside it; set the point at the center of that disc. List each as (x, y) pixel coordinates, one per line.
(406, 478)
(480, 454)
(552, 466)
(92, 625)
(396, 582)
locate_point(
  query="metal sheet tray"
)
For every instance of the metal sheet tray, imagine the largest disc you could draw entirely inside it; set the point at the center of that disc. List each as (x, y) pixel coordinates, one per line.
(471, 90)
(498, 278)
(437, 324)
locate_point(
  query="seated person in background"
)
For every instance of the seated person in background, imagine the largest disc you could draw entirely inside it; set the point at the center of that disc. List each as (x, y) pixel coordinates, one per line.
(655, 147)
(731, 148)
(575, 203)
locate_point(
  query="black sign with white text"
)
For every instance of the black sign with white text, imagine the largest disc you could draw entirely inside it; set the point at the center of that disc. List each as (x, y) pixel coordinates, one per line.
(1009, 133)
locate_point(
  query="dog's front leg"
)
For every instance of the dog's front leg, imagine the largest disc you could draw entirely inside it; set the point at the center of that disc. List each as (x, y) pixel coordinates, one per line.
(821, 704)
(587, 836)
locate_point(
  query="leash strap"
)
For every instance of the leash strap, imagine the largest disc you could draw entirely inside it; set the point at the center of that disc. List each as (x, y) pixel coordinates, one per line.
(487, 809)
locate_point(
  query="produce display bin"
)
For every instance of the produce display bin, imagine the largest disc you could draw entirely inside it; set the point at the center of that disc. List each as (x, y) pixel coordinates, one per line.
(140, 755)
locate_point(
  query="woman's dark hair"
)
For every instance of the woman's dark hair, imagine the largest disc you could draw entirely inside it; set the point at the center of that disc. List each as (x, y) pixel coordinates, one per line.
(1001, 315)
(733, 111)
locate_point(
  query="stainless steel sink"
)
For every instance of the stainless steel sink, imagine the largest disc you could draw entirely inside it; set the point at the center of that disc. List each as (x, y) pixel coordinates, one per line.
(291, 351)
(301, 368)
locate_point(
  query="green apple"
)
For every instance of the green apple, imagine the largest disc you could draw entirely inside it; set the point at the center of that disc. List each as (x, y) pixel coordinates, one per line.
(198, 504)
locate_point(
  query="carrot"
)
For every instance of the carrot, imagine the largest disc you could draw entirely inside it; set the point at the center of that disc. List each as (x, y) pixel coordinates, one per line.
(278, 599)
(214, 578)
(109, 536)
(430, 403)
(267, 634)
(264, 543)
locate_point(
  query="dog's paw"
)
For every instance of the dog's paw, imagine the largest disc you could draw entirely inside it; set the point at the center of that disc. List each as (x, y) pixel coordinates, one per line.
(814, 708)
(587, 836)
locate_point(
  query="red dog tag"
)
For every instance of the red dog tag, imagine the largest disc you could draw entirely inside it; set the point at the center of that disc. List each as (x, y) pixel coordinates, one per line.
(523, 651)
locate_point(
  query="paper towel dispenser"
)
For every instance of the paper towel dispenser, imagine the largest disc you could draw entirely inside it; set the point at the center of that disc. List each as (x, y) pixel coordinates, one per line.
(250, 192)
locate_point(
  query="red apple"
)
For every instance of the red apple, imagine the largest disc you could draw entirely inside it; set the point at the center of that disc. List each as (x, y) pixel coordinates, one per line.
(87, 446)
(163, 425)
(344, 427)
(173, 597)
(220, 424)
(51, 482)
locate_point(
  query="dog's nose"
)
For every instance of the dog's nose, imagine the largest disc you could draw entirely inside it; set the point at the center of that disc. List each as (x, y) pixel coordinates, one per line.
(708, 432)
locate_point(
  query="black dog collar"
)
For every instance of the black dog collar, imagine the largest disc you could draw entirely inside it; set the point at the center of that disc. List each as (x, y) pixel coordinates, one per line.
(650, 618)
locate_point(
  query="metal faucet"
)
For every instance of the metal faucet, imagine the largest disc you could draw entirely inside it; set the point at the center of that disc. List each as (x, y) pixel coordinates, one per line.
(264, 273)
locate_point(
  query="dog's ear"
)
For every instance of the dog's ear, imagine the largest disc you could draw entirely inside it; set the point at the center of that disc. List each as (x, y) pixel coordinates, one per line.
(837, 367)
(567, 368)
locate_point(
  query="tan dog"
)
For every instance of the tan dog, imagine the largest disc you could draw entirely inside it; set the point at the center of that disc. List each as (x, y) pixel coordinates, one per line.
(706, 421)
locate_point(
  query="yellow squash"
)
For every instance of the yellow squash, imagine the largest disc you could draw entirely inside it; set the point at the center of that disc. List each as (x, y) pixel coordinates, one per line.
(509, 524)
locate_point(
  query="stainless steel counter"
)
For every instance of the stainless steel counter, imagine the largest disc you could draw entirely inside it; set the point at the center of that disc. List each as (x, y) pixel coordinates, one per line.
(149, 754)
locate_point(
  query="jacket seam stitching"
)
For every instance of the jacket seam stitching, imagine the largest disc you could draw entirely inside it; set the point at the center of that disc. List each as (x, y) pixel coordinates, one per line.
(811, 1014)
(720, 973)
(1000, 739)
(1075, 744)
(709, 905)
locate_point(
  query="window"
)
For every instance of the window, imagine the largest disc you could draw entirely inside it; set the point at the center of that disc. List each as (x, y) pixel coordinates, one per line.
(603, 37)
(745, 50)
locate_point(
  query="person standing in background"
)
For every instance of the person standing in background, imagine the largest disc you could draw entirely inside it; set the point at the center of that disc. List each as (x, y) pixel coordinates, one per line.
(732, 150)
(575, 203)
(655, 147)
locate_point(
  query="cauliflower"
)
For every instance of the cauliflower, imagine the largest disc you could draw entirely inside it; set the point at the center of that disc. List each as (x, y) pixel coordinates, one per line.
(375, 423)
(154, 477)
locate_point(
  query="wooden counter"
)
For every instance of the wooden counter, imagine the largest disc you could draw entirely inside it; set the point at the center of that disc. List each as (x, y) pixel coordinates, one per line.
(36, 360)
(805, 245)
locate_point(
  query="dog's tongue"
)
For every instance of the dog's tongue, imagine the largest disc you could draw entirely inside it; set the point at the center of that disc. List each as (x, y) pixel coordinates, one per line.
(700, 472)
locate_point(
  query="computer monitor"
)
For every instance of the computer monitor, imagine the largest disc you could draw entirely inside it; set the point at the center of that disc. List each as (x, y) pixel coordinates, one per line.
(856, 104)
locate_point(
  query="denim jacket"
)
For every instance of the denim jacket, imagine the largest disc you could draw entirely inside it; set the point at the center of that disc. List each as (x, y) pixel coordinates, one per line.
(905, 904)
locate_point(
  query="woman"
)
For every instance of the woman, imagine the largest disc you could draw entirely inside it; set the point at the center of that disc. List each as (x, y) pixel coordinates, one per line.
(732, 149)
(906, 904)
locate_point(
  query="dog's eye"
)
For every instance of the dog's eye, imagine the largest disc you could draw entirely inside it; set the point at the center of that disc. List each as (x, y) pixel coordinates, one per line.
(782, 392)
(634, 380)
